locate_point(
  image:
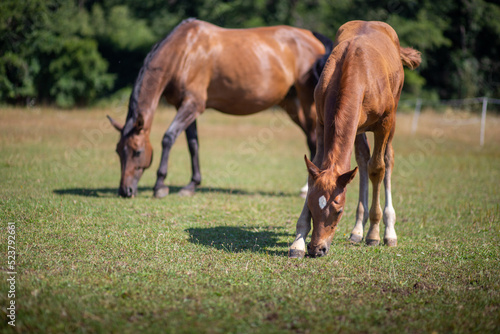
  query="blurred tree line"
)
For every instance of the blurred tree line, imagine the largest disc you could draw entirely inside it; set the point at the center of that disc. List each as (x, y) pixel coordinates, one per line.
(73, 52)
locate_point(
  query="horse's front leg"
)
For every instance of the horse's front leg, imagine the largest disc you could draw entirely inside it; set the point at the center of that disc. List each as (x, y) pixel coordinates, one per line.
(302, 112)
(192, 140)
(186, 114)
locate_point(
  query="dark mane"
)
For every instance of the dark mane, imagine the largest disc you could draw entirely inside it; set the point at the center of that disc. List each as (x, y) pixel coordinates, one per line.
(133, 105)
(320, 63)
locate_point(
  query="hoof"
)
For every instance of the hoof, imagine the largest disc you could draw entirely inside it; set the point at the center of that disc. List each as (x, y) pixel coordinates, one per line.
(296, 254)
(355, 238)
(185, 192)
(161, 192)
(372, 242)
(391, 242)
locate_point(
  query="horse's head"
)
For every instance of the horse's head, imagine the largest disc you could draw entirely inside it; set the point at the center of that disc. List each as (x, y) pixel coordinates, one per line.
(325, 200)
(136, 154)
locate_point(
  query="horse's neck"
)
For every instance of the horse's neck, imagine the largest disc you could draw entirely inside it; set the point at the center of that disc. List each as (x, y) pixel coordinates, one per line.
(147, 92)
(157, 72)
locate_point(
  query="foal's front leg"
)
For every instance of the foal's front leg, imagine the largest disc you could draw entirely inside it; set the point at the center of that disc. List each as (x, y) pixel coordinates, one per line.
(362, 151)
(376, 172)
(298, 247)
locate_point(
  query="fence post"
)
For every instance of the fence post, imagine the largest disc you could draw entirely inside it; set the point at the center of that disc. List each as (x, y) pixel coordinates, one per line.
(483, 120)
(416, 114)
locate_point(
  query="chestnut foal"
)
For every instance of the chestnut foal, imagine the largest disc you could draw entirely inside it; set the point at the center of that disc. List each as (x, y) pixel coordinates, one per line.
(358, 91)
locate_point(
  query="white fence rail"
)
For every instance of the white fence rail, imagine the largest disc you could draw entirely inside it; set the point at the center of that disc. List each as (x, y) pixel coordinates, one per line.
(453, 103)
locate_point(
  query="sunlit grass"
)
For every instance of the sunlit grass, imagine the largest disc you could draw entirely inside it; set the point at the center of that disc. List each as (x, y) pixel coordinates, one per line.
(216, 262)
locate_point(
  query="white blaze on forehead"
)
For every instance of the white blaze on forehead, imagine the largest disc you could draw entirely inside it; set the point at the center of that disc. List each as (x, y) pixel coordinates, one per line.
(322, 202)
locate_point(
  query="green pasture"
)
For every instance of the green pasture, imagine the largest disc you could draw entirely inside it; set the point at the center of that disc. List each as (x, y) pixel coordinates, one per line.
(88, 261)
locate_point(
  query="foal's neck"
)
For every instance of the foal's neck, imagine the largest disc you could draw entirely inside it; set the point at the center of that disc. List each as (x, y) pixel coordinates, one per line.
(340, 128)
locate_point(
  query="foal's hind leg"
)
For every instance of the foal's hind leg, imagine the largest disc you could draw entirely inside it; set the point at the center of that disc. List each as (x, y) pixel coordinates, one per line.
(192, 140)
(186, 114)
(390, 238)
(362, 150)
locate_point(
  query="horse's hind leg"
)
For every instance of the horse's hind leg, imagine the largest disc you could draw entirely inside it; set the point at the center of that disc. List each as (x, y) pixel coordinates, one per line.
(362, 151)
(192, 140)
(302, 112)
(390, 238)
(186, 114)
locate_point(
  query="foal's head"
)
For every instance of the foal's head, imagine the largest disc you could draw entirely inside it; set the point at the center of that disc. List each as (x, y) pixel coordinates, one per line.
(136, 154)
(325, 199)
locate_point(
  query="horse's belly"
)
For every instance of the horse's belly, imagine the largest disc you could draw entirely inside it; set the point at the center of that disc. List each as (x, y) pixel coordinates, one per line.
(238, 99)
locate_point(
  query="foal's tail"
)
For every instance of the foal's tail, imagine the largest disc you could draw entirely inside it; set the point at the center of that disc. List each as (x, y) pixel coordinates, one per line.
(410, 57)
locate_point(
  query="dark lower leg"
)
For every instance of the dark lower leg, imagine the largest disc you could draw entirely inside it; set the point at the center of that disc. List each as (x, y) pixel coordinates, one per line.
(160, 189)
(186, 115)
(192, 139)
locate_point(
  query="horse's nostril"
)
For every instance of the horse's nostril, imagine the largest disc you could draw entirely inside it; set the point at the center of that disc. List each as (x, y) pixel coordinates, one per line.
(126, 191)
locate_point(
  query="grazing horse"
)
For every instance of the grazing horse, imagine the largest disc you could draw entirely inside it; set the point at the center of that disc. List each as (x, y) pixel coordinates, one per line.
(358, 91)
(236, 71)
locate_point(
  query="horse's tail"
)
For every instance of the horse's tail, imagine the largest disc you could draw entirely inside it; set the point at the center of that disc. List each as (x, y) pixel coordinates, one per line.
(320, 62)
(410, 57)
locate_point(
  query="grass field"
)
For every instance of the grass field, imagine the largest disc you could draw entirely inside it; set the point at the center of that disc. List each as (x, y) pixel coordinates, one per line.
(91, 262)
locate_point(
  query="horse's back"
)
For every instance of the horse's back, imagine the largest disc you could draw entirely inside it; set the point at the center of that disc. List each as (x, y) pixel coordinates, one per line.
(376, 42)
(240, 70)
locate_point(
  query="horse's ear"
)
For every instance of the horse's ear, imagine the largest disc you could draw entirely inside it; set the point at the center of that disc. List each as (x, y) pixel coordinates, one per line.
(115, 124)
(311, 168)
(344, 179)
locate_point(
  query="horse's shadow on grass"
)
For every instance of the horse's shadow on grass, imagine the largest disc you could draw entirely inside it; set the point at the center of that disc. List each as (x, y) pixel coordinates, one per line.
(91, 192)
(234, 239)
(174, 190)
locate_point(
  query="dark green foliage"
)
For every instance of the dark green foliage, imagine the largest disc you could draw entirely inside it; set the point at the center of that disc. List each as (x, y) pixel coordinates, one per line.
(48, 53)
(74, 52)
(18, 20)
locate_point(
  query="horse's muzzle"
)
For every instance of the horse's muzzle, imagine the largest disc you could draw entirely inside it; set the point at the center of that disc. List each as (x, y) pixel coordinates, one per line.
(126, 192)
(317, 251)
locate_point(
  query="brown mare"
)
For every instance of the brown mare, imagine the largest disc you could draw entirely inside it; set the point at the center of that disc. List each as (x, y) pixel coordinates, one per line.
(358, 91)
(236, 71)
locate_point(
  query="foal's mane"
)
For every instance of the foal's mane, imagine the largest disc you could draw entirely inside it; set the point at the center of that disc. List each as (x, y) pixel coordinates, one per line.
(133, 105)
